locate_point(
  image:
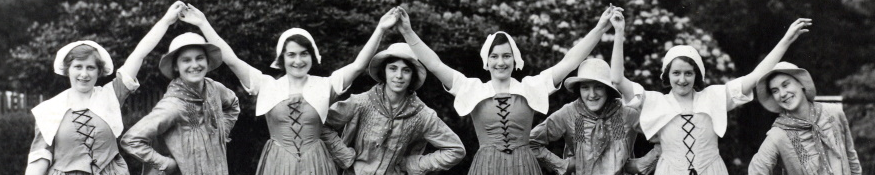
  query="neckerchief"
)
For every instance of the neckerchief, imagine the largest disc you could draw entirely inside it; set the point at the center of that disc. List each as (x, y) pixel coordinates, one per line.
(208, 97)
(607, 127)
(794, 126)
(410, 107)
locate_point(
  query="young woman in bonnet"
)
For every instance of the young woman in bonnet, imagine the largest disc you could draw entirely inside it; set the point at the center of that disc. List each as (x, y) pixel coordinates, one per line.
(598, 129)
(389, 125)
(194, 118)
(76, 130)
(807, 137)
(503, 108)
(688, 121)
(296, 104)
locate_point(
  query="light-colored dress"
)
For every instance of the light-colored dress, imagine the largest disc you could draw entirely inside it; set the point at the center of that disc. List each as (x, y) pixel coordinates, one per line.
(82, 141)
(503, 121)
(299, 143)
(824, 146)
(393, 142)
(689, 138)
(188, 126)
(594, 143)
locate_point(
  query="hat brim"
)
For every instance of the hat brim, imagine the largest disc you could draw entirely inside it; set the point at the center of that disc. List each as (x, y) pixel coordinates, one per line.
(764, 96)
(379, 58)
(214, 54)
(571, 85)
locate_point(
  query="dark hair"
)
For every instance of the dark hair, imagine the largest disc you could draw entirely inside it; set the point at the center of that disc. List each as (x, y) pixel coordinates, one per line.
(179, 51)
(300, 40)
(698, 85)
(83, 52)
(391, 59)
(499, 40)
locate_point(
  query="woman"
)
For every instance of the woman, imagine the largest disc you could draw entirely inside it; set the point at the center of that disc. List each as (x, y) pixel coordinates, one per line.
(76, 131)
(389, 125)
(503, 108)
(192, 122)
(296, 105)
(807, 137)
(689, 119)
(599, 131)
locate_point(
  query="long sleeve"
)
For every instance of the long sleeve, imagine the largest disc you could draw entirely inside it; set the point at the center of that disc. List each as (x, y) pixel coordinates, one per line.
(230, 110)
(552, 129)
(450, 150)
(342, 112)
(645, 164)
(343, 154)
(853, 160)
(766, 158)
(138, 140)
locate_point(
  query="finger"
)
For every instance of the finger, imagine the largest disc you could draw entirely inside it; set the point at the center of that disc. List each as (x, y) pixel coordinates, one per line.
(618, 9)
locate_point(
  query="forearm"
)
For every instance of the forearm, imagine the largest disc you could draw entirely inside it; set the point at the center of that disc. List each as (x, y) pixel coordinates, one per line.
(344, 156)
(147, 44)
(229, 57)
(38, 167)
(364, 57)
(577, 54)
(429, 59)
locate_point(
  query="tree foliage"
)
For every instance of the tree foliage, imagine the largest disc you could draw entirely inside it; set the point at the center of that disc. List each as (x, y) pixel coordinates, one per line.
(544, 30)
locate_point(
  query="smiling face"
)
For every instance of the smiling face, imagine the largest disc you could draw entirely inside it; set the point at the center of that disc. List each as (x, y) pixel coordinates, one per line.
(297, 60)
(83, 73)
(500, 61)
(191, 64)
(787, 91)
(593, 94)
(681, 77)
(398, 76)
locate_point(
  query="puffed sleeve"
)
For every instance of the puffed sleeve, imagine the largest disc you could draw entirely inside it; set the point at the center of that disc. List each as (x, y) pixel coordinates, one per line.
(39, 149)
(734, 96)
(337, 78)
(123, 85)
(766, 158)
(450, 150)
(256, 81)
(541, 82)
(462, 84)
(138, 139)
(342, 112)
(552, 129)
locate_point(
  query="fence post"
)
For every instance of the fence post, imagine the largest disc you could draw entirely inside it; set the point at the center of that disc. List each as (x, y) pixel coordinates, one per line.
(3, 102)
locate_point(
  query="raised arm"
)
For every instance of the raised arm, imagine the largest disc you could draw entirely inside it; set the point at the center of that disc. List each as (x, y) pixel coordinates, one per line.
(427, 56)
(364, 57)
(132, 65)
(796, 29)
(197, 18)
(578, 53)
(617, 57)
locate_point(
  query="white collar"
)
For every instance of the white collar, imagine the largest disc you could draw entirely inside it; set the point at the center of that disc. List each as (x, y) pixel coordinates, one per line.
(104, 104)
(316, 91)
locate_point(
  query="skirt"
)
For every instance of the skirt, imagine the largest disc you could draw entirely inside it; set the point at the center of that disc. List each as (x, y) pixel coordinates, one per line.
(490, 160)
(314, 158)
(116, 166)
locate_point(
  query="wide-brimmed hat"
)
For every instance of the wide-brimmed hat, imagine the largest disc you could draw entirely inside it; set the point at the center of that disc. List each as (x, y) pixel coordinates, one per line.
(764, 95)
(484, 51)
(682, 50)
(282, 43)
(213, 53)
(398, 50)
(101, 52)
(592, 70)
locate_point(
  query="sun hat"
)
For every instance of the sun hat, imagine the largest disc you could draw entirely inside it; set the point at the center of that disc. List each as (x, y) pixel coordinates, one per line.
(682, 50)
(102, 53)
(764, 95)
(282, 42)
(592, 70)
(214, 54)
(398, 50)
(484, 51)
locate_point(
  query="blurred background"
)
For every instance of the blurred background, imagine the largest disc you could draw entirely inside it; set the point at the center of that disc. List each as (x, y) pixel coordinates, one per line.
(731, 35)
